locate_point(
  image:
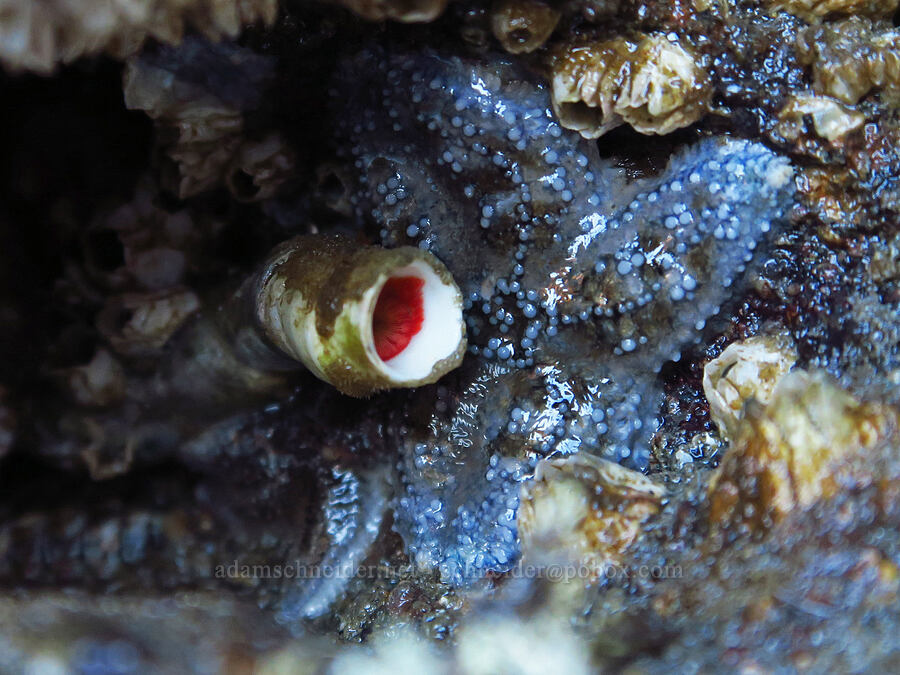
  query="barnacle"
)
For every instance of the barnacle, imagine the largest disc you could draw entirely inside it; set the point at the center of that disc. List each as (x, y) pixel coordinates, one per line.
(745, 370)
(259, 168)
(851, 58)
(361, 318)
(37, 35)
(522, 26)
(139, 246)
(653, 84)
(202, 126)
(141, 324)
(830, 119)
(810, 442)
(98, 383)
(584, 510)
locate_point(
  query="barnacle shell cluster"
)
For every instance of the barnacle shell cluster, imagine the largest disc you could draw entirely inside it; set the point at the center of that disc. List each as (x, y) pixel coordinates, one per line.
(653, 84)
(37, 35)
(205, 135)
(851, 58)
(811, 442)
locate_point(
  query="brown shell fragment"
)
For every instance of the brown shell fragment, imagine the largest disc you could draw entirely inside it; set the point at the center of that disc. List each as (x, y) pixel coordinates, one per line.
(584, 509)
(654, 85)
(522, 26)
(851, 58)
(811, 441)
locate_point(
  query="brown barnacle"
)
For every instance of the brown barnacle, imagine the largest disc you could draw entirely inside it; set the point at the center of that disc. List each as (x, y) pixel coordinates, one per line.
(746, 370)
(99, 383)
(38, 35)
(140, 324)
(814, 11)
(831, 119)
(810, 442)
(522, 26)
(407, 11)
(653, 84)
(851, 58)
(584, 510)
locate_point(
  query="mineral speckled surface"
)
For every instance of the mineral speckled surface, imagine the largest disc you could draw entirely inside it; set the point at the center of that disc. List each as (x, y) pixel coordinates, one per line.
(644, 204)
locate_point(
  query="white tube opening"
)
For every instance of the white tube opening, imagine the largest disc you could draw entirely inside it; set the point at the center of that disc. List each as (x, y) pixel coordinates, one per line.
(415, 322)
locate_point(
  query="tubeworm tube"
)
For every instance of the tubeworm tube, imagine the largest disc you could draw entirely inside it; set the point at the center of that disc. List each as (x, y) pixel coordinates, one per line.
(363, 318)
